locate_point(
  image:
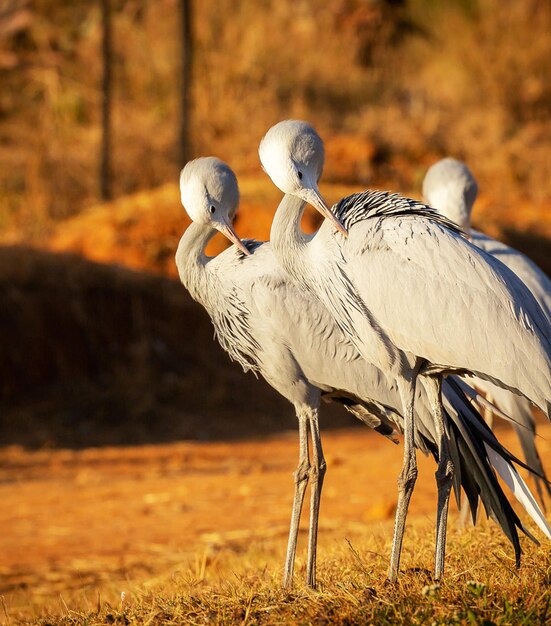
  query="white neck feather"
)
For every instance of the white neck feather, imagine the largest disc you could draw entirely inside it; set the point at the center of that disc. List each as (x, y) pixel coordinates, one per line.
(288, 240)
(191, 260)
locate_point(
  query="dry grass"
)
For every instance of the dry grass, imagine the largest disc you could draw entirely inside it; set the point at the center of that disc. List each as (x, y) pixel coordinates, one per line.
(392, 85)
(244, 587)
(195, 533)
(391, 88)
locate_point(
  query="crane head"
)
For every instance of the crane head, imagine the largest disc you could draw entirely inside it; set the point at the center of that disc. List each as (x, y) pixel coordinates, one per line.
(292, 154)
(210, 195)
(451, 189)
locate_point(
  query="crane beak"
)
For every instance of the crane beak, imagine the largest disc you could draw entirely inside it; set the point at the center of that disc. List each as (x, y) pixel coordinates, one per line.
(227, 230)
(313, 197)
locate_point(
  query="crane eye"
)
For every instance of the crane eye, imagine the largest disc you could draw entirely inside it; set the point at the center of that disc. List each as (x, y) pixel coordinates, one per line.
(300, 175)
(212, 209)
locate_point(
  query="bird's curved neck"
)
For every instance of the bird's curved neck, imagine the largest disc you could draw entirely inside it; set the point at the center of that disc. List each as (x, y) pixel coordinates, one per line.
(459, 211)
(191, 259)
(453, 204)
(288, 240)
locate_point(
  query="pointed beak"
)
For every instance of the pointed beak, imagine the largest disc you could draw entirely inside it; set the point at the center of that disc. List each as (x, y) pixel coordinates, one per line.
(227, 230)
(313, 197)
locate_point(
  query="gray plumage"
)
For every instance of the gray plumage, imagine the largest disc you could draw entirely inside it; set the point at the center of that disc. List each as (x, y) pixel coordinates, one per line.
(412, 294)
(450, 187)
(208, 184)
(303, 354)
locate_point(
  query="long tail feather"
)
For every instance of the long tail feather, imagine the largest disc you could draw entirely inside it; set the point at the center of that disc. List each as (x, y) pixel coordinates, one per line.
(478, 478)
(371, 413)
(483, 430)
(483, 402)
(517, 410)
(482, 482)
(519, 488)
(533, 459)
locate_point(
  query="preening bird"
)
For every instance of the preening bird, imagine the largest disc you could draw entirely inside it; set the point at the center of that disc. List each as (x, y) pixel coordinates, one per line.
(412, 294)
(450, 187)
(270, 326)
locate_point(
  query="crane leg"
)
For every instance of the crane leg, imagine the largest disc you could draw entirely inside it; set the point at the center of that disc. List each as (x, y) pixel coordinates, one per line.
(301, 476)
(444, 473)
(317, 473)
(406, 478)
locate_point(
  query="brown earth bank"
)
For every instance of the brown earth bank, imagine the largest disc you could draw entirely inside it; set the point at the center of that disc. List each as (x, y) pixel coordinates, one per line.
(79, 527)
(142, 230)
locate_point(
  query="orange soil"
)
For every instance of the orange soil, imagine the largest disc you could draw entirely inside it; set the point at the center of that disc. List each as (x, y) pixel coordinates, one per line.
(142, 231)
(76, 521)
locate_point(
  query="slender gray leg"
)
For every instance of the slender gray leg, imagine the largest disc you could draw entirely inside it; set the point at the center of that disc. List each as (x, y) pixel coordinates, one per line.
(317, 473)
(444, 473)
(407, 477)
(301, 481)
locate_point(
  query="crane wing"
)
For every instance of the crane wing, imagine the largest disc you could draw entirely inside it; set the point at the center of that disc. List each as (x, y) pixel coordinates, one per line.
(531, 275)
(436, 295)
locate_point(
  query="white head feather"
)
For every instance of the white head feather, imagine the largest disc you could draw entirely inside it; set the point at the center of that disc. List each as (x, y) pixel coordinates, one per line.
(210, 195)
(292, 154)
(451, 189)
(206, 184)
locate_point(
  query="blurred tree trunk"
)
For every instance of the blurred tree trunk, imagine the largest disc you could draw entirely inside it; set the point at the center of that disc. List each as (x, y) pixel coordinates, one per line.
(106, 51)
(186, 15)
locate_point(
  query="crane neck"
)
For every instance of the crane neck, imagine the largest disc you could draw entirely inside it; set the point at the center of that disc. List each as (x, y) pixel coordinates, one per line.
(192, 261)
(288, 240)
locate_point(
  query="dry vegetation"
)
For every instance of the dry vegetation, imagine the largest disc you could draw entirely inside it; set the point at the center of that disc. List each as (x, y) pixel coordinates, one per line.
(100, 355)
(195, 533)
(351, 591)
(393, 85)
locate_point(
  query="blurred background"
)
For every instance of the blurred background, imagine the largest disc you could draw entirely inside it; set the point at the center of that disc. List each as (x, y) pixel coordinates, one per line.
(102, 102)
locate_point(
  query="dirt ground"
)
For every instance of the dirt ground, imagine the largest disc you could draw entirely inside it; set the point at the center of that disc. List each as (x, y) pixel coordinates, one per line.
(93, 521)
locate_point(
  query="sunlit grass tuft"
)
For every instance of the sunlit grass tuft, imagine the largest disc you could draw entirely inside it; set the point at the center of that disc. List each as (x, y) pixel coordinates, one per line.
(244, 587)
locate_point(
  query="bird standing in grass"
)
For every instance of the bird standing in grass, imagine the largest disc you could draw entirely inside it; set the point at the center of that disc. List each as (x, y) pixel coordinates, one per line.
(272, 327)
(413, 295)
(450, 187)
